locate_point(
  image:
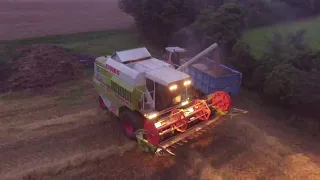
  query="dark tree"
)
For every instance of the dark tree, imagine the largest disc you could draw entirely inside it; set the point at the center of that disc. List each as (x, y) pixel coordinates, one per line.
(223, 26)
(159, 19)
(243, 61)
(311, 6)
(291, 86)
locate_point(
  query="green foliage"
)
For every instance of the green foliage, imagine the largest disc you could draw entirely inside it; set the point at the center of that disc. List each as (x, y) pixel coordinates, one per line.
(224, 25)
(258, 38)
(288, 72)
(96, 42)
(307, 61)
(312, 6)
(243, 61)
(282, 82)
(266, 13)
(211, 4)
(288, 67)
(291, 86)
(259, 13)
(291, 49)
(159, 19)
(316, 61)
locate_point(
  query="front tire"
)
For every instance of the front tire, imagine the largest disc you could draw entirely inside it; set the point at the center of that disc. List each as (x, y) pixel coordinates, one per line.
(131, 122)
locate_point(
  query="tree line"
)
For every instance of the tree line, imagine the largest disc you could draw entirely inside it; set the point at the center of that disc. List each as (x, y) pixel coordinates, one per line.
(287, 74)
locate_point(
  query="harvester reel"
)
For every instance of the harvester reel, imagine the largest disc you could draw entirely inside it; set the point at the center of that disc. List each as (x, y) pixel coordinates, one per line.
(182, 123)
(221, 101)
(204, 111)
(155, 139)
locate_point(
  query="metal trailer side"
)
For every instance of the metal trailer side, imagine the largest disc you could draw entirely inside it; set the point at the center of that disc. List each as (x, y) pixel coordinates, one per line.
(207, 82)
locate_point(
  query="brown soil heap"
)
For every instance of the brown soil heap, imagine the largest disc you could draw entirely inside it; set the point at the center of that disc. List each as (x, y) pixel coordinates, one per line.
(43, 66)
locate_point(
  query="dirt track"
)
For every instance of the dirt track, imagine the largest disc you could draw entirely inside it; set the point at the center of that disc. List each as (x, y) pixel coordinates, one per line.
(61, 133)
(31, 18)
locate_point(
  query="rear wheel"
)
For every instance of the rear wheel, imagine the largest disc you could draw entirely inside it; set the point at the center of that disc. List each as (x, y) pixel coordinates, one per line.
(101, 103)
(131, 122)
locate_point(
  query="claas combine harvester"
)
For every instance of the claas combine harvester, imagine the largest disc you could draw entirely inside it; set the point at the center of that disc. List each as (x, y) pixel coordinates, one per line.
(154, 100)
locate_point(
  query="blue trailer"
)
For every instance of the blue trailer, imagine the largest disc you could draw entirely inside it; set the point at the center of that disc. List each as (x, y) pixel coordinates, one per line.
(206, 81)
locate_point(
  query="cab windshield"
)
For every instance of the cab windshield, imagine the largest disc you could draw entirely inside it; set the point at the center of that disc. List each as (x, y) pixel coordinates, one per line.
(166, 98)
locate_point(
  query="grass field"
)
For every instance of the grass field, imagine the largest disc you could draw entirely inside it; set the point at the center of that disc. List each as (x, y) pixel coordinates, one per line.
(258, 38)
(35, 18)
(99, 42)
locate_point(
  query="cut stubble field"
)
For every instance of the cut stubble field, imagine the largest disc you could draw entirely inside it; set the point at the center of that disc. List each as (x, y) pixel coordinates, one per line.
(61, 133)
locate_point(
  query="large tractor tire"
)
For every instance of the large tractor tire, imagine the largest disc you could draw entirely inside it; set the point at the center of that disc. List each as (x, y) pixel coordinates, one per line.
(131, 122)
(101, 103)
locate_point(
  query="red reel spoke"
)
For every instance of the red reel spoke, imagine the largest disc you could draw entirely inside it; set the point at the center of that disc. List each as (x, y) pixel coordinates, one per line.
(182, 124)
(203, 110)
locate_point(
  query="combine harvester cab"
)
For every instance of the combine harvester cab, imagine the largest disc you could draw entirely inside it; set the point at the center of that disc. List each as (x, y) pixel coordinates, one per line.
(154, 101)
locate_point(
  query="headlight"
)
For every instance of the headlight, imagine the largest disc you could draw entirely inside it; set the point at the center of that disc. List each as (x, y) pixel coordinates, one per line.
(173, 87)
(158, 124)
(185, 103)
(151, 116)
(187, 83)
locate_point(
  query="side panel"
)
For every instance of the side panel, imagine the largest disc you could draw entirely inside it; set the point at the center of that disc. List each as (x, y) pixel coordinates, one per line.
(122, 91)
(115, 92)
(208, 84)
(102, 74)
(112, 107)
(230, 84)
(109, 97)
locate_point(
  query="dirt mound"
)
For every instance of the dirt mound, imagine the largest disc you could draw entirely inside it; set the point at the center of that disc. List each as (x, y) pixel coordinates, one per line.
(43, 66)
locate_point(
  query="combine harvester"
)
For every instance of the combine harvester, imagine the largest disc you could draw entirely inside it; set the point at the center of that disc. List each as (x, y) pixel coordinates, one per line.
(155, 101)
